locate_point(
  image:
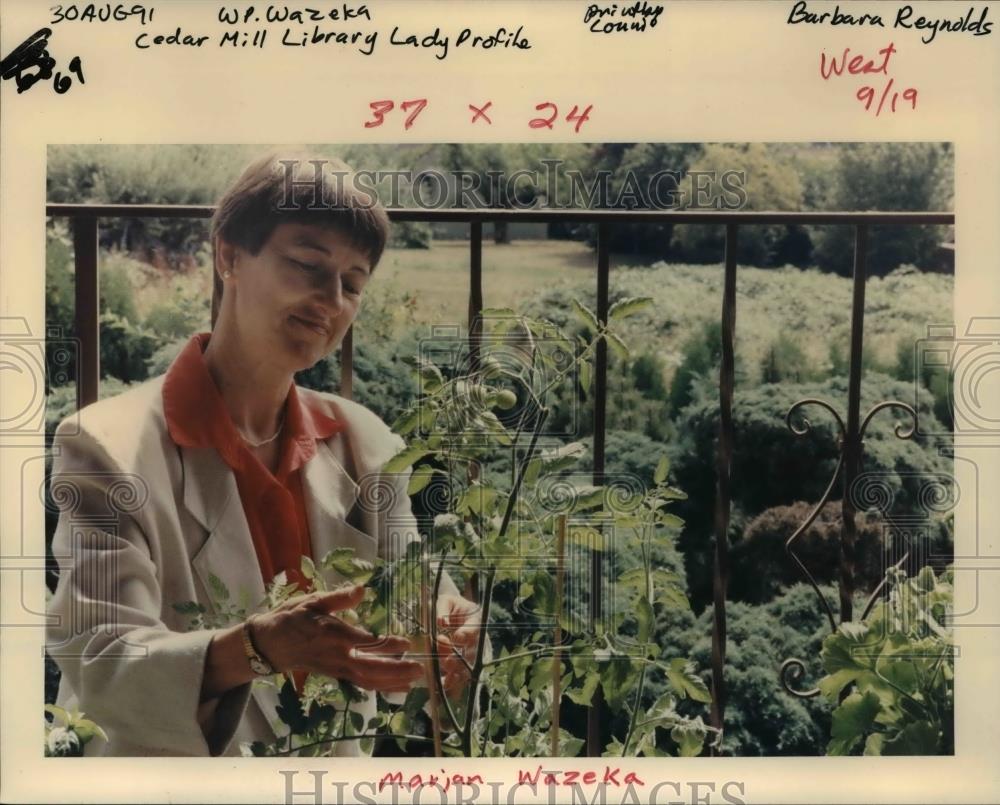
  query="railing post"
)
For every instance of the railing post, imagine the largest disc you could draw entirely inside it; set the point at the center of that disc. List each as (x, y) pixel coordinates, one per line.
(87, 313)
(475, 338)
(852, 436)
(475, 291)
(723, 495)
(597, 707)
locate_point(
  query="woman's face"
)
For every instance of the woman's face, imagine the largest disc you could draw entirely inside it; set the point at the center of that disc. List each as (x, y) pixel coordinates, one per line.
(295, 299)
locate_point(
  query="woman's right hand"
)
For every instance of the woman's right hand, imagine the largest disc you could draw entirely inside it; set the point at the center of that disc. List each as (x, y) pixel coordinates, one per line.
(305, 634)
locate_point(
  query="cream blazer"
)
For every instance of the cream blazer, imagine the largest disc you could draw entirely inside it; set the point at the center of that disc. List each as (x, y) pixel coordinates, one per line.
(143, 524)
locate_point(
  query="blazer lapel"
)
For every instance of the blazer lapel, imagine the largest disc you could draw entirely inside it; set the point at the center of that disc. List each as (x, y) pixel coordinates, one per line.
(330, 495)
(213, 498)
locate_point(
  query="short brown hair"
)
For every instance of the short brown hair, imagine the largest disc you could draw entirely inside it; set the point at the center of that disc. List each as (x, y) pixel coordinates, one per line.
(298, 188)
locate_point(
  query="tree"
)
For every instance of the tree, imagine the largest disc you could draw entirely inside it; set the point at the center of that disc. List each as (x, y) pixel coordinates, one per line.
(888, 177)
(771, 182)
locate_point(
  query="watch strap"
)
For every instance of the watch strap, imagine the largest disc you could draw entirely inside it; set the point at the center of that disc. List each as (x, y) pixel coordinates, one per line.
(258, 664)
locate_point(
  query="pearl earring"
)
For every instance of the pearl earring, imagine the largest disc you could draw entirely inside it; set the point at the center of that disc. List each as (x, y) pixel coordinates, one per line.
(227, 274)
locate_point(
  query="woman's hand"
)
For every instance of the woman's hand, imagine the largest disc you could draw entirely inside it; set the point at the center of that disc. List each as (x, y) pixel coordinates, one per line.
(458, 621)
(305, 634)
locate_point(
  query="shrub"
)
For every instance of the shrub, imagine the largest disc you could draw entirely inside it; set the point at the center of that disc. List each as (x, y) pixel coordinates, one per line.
(125, 348)
(761, 719)
(761, 567)
(411, 235)
(798, 468)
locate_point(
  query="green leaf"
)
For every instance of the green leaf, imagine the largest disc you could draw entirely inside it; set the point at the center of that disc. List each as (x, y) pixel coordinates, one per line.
(628, 306)
(689, 737)
(634, 579)
(348, 565)
(584, 695)
(916, 738)
(618, 347)
(307, 567)
(618, 677)
(430, 377)
(58, 713)
(320, 714)
(492, 424)
(925, 580)
(852, 719)
(874, 743)
(219, 589)
(585, 315)
(532, 470)
(405, 458)
(569, 746)
(662, 468)
(540, 677)
(543, 595)
(588, 497)
(419, 478)
(668, 519)
(289, 709)
(415, 701)
(406, 422)
(477, 499)
(357, 721)
(671, 596)
(585, 376)
(686, 681)
(87, 729)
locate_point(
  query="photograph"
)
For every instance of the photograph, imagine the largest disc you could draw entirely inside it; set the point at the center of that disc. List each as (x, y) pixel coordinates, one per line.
(636, 449)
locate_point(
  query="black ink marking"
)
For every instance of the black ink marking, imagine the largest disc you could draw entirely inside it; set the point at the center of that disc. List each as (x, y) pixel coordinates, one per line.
(33, 54)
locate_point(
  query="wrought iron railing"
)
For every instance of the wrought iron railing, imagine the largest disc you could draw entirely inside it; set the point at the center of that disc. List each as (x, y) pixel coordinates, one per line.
(85, 221)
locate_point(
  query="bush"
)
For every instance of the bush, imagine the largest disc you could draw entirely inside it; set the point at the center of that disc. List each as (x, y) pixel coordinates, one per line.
(411, 235)
(761, 566)
(125, 349)
(798, 468)
(761, 719)
(382, 382)
(786, 362)
(180, 316)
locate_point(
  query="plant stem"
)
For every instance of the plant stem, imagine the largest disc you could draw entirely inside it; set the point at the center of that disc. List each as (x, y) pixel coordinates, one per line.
(556, 659)
(533, 653)
(435, 658)
(428, 646)
(635, 711)
(491, 575)
(355, 738)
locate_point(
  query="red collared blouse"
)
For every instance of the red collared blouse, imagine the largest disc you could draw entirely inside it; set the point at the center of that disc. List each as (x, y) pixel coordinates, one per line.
(274, 504)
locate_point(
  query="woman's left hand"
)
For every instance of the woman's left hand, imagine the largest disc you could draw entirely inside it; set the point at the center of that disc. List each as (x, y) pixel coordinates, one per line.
(458, 622)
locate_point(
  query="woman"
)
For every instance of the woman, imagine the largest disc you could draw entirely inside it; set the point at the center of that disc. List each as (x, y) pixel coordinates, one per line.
(202, 485)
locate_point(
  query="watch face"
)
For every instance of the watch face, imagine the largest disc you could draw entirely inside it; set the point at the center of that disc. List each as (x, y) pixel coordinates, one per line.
(259, 667)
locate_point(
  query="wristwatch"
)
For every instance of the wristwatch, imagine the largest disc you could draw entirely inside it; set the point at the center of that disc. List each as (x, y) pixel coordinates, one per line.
(258, 664)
